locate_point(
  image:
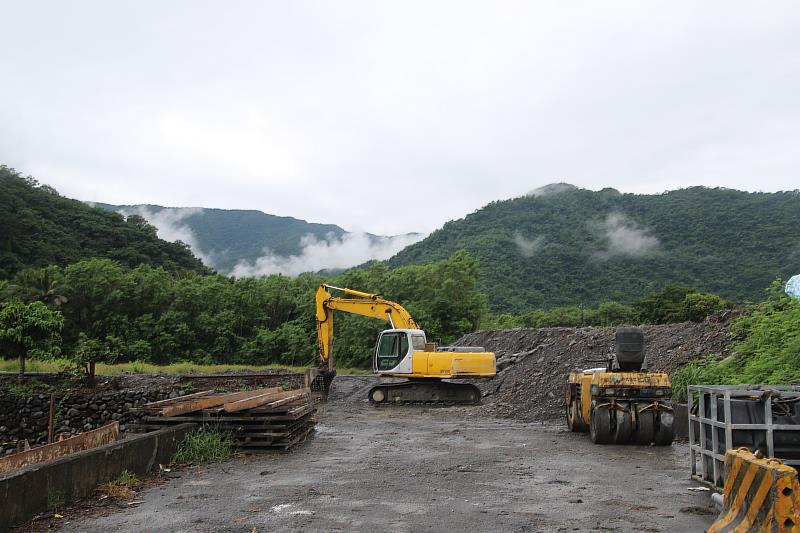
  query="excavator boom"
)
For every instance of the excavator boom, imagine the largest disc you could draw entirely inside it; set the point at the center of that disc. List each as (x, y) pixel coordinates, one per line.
(366, 304)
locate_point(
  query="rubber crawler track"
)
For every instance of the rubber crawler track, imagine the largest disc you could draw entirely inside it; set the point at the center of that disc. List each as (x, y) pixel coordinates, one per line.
(424, 392)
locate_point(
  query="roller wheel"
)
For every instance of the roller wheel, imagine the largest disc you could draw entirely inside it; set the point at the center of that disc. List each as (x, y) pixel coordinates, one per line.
(377, 395)
(580, 425)
(624, 427)
(664, 429)
(571, 417)
(645, 426)
(600, 426)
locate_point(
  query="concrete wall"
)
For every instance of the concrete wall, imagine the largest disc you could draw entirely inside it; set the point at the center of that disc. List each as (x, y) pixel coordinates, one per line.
(38, 488)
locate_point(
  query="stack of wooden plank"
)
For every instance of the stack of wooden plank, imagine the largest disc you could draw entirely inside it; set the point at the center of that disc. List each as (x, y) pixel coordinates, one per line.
(263, 418)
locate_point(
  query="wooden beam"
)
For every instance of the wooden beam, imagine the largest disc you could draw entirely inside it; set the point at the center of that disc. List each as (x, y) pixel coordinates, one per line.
(48, 452)
(213, 401)
(179, 398)
(256, 401)
(284, 401)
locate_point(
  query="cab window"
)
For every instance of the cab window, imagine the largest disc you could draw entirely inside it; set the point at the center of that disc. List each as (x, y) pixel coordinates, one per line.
(391, 350)
(418, 342)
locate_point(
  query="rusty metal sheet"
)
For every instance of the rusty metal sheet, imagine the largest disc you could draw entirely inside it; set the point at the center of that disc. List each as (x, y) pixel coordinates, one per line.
(48, 452)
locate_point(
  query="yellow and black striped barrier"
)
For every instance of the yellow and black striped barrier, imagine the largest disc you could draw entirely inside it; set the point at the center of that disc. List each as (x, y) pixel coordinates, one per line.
(761, 495)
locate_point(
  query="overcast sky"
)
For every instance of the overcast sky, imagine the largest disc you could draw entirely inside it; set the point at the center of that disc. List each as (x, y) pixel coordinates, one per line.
(395, 117)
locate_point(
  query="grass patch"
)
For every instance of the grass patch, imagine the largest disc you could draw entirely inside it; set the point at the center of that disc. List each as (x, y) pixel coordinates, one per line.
(139, 367)
(29, 388)
(123, 488)
(204, 445)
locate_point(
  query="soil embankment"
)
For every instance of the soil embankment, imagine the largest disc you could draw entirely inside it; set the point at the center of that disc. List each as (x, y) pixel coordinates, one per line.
(533, 364)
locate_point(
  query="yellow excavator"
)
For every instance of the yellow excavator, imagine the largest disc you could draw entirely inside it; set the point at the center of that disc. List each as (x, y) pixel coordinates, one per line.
(402, 351)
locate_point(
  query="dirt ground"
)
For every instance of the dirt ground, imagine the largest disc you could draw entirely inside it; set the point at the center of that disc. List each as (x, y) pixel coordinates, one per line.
(425, 469)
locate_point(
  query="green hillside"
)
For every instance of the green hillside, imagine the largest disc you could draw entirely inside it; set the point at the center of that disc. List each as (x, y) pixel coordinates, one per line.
(568, 246)
(39, 228)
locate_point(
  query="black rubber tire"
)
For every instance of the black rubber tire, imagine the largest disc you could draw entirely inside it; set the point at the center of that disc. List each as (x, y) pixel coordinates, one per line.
(645, 426)
(580, 425)
(624, 427)
(600, 425)
(665, 431)
(570, 417)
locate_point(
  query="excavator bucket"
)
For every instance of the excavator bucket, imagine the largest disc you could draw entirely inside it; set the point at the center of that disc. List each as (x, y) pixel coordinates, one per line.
(761, 495)
(319, 381)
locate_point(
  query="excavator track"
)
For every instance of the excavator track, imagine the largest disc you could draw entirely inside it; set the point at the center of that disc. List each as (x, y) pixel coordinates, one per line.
(425, 391)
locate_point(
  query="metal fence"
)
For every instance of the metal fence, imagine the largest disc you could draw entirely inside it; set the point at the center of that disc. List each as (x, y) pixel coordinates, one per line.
(705, 419)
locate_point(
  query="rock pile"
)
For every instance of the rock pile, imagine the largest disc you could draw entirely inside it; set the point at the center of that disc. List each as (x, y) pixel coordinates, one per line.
(533, 364)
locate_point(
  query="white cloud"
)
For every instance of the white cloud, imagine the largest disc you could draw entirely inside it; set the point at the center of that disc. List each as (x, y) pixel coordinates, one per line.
(429, 109)
(624, 237)
(332, 253)
(552, 188)
(528, 247)
(170, 225)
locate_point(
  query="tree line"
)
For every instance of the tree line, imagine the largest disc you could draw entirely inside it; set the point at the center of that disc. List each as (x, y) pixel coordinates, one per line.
(674, 303)
(100, 310)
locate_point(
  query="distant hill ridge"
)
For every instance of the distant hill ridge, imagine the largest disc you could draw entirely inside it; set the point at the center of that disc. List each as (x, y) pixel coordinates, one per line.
(38, 227)
(225, 238)
(561, 245)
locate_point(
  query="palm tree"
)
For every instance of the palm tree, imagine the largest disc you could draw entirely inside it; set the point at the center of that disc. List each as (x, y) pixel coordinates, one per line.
(39, 285)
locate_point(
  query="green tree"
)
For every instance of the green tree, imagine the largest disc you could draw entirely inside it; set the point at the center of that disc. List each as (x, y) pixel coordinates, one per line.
(615, 314)
(40, 285)
(28, 327)
(697, 306)
(89, 352)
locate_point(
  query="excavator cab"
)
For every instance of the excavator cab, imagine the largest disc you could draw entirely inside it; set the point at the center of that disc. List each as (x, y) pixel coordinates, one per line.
(395, 349)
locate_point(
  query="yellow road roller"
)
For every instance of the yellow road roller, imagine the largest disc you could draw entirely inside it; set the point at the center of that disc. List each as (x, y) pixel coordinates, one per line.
(621, 403)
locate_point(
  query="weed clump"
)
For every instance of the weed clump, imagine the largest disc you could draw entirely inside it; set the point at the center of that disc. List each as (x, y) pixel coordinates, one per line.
(122, 488)
(204, 445)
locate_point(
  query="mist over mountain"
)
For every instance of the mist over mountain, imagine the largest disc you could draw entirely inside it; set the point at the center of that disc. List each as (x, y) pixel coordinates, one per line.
(252, 243)
(561, 245)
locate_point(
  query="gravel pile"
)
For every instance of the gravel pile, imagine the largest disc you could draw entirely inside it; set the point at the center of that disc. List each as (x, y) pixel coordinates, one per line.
(533, 364)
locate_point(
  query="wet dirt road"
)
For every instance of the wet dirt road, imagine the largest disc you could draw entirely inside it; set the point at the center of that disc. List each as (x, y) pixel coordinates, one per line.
(425, 469)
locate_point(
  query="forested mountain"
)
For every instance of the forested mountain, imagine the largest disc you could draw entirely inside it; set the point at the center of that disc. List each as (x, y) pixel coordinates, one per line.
(39, 228)
(238, 233)
(567, 246)
(227, 237)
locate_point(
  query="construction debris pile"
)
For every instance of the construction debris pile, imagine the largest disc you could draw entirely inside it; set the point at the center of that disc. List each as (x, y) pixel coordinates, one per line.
(264, 418)
(533, 364)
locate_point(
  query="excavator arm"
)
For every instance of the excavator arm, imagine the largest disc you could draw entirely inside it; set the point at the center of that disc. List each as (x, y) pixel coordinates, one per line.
(359, 303)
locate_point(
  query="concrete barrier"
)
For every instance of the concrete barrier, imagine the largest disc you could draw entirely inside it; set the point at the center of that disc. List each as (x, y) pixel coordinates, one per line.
(37, 488)
(680, 423)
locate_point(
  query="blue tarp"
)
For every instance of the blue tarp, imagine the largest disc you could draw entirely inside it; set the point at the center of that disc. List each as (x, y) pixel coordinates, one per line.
(793, 287)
